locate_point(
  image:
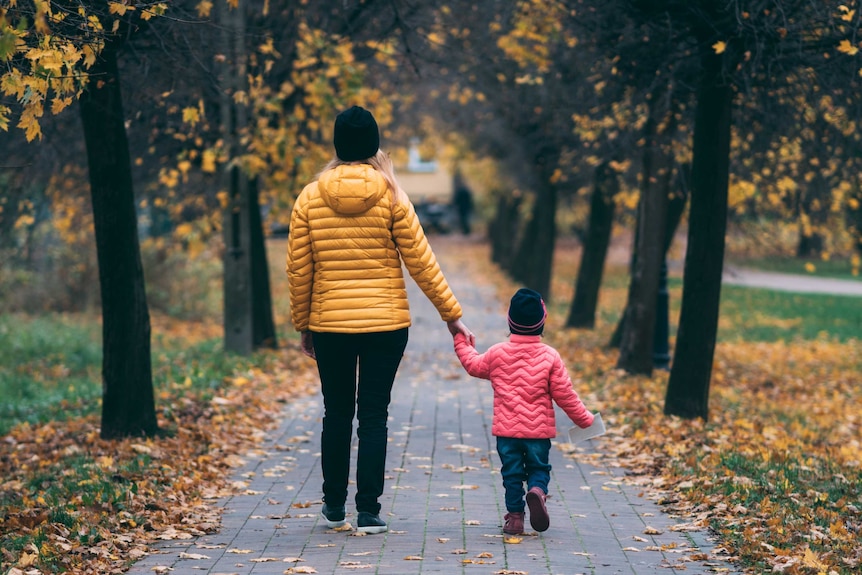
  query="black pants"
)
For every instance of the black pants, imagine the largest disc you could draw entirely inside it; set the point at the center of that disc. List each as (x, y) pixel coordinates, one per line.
(377, 355)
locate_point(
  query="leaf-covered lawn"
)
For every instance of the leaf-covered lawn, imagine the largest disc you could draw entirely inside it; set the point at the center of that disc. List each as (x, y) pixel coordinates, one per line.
(776, 472)
(72, 503)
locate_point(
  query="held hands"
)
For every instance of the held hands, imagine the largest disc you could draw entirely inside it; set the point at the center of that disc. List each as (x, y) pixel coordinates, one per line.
(457, 326)
(306, 344)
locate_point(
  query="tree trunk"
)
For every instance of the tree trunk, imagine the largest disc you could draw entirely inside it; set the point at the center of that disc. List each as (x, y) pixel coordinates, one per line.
(636, 344)
(676, 208)
(812, 218)
(688, 387)
(238, 316)
(263, 323)
(853, 215)
(128, 406)
(503, 230)
(533, 261)
(597, 239)
(240, 331)
(617, 336)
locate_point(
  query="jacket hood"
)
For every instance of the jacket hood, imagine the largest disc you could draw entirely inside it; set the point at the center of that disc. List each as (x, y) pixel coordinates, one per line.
(351, 189)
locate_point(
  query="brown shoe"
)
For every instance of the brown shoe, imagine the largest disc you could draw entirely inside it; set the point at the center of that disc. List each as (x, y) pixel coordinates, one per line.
(539, 519)
(513, 523)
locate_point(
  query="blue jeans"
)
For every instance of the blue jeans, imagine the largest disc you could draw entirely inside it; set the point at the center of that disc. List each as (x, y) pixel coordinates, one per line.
(523, 460)
(376, 357)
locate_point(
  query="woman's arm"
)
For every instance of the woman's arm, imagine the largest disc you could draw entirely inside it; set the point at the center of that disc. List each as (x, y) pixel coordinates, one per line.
(300, 265)
(421, 262)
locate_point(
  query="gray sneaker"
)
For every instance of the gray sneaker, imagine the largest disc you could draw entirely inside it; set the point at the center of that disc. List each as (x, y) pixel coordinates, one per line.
(333, 516)
(370, 523)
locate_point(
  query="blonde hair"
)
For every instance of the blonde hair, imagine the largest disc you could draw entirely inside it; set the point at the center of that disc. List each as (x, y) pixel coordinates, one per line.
(380, 162)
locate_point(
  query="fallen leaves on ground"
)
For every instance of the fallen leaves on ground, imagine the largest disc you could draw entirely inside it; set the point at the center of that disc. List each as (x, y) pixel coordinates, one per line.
(74, 503)
(776, 472)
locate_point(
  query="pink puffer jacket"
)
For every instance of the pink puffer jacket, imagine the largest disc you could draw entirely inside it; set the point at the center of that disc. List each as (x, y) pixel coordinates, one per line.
(526, 376)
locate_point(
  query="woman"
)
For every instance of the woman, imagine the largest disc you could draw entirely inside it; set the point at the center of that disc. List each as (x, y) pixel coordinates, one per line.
(350, 232)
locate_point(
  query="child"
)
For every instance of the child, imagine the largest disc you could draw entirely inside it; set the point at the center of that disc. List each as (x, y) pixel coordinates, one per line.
(526, 376)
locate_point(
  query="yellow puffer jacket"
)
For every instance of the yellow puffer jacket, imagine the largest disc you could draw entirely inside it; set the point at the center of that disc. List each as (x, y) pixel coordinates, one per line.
(347, 241)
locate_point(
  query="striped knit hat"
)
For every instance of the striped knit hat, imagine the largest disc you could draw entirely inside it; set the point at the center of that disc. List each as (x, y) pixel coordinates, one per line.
(527, 313)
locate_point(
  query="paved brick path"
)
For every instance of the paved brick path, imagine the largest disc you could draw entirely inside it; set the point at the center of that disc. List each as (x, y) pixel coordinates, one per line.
(443, 498)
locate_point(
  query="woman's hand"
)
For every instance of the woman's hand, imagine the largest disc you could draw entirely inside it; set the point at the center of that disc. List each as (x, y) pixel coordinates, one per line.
(306, 343)
(457, 326)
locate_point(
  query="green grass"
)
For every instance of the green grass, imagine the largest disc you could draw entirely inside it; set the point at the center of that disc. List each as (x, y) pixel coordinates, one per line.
(753, 314)
(50, 368)
(765, 315)
(67, 485)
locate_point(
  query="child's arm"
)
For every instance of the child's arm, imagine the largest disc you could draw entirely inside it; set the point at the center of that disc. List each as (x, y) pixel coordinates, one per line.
(475, 363)
(564, 394)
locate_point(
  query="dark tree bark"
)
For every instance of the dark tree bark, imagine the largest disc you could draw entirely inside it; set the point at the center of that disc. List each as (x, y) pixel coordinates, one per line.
(503, 231)
(238, 316)
(534, 258)
(853, 217)
(128, 406)
(688, 388)
(678, 194)
(676, 205)
(596, 241)
(636, 344)
(263, 323)
(675, 209)
(810, 206)
(617, 336)
(238, 326)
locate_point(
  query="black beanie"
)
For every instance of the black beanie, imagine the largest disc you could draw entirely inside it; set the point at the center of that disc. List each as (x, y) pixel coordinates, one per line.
(355, 136)
(527, 313)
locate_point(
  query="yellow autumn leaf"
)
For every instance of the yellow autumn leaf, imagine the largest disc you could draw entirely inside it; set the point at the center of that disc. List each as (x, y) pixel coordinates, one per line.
(719, 47)
(191, 116)
(60, 104)
(119, 8)
(811, 559)
(89, 55)
(208, 161)
(184, 167)
(204, 8)
(30, 124)
(846, 47)
(27, 559)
